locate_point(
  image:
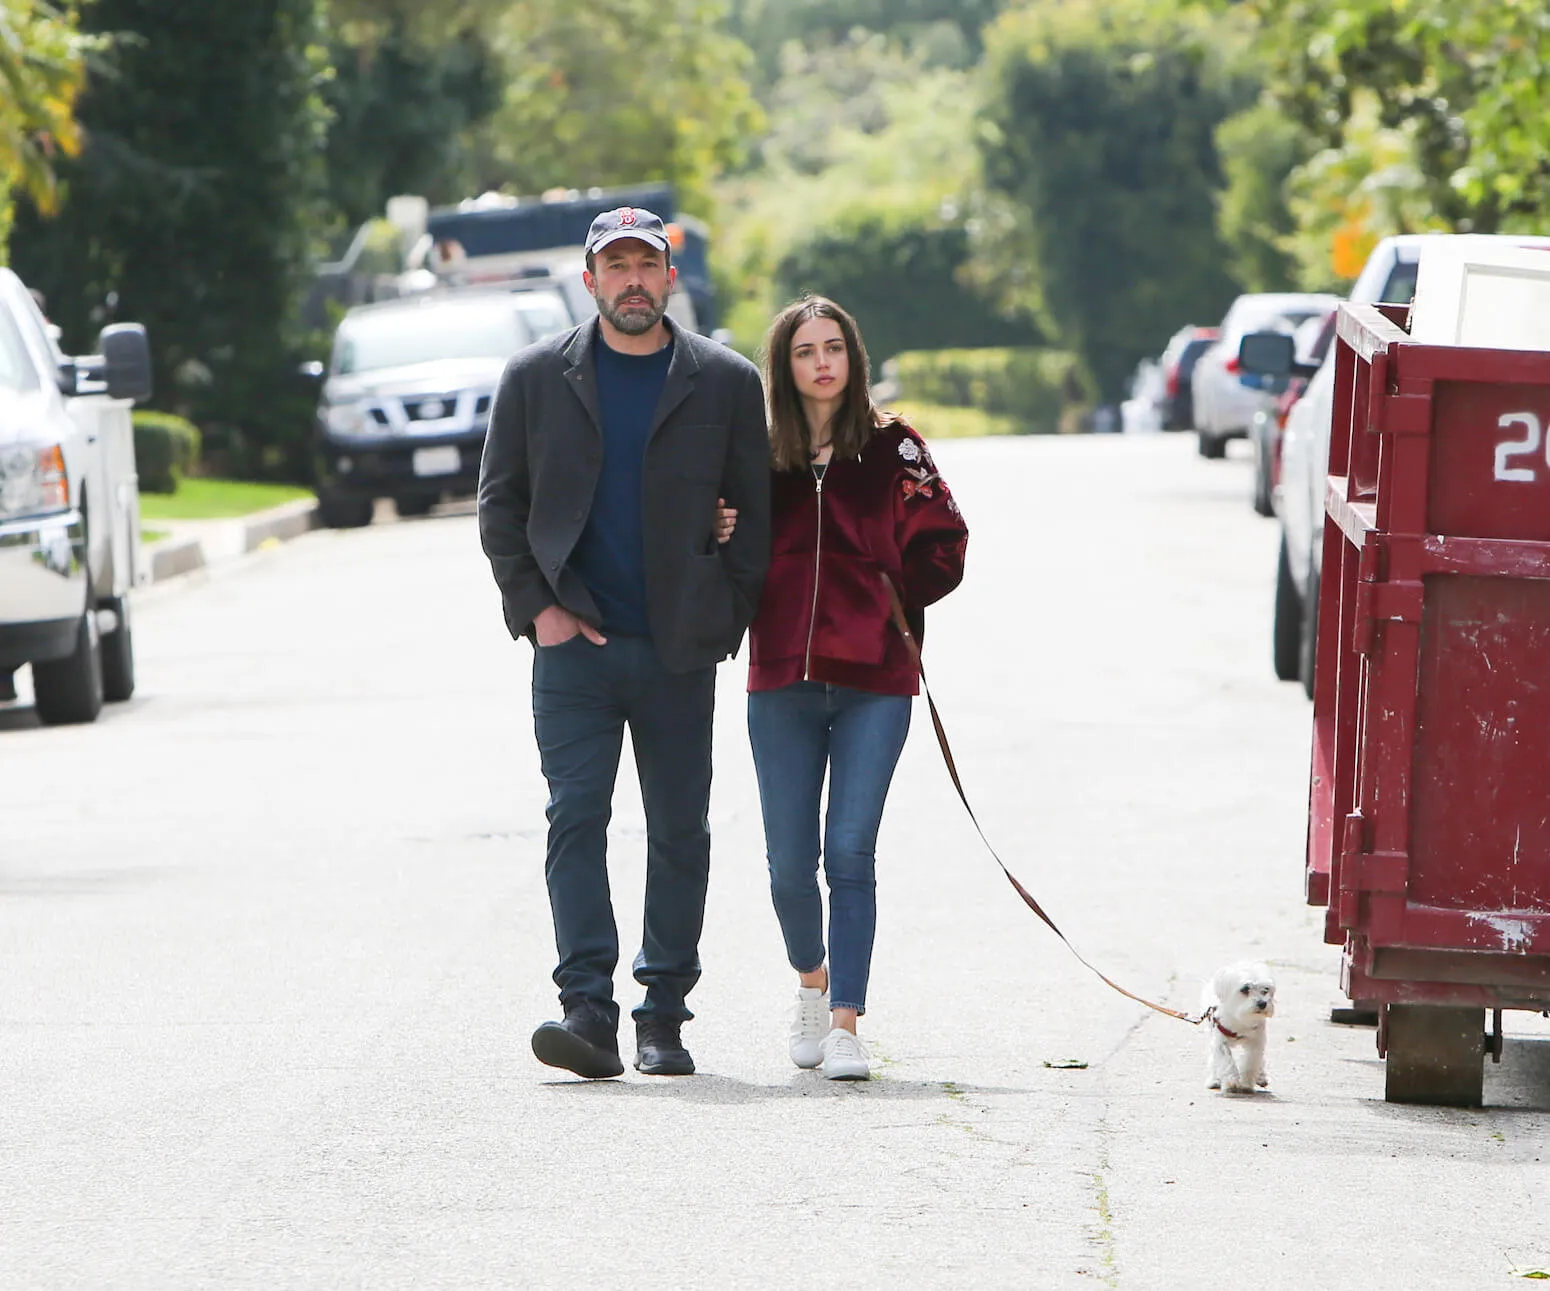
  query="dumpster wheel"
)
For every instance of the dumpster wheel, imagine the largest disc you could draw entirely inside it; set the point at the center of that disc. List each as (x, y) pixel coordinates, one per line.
(1435, 1053)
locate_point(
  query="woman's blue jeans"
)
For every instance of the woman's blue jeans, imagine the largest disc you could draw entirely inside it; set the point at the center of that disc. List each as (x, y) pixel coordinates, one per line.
(797, 733)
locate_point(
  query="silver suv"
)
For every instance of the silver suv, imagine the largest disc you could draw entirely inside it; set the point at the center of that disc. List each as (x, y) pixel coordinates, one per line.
(407, 394)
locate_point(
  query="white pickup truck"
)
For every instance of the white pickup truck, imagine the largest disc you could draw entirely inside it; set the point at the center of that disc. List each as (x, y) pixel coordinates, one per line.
(69, 509)
(1389, 277)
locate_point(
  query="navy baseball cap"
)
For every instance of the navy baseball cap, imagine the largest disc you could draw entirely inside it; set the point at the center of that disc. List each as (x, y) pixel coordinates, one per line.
(626, 222)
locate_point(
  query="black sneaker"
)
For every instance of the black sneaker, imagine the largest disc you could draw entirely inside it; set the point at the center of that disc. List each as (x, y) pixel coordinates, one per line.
(659, 1051)
(584, 1043)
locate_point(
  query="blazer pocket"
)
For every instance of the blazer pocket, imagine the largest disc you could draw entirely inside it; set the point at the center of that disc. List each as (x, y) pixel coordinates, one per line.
(706, 606)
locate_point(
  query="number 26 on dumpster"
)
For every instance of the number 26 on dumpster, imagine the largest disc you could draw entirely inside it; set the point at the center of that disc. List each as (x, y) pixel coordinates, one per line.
(1527, 446)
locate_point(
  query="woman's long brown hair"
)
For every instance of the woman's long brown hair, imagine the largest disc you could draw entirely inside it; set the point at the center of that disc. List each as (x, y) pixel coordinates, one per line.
(855, 420)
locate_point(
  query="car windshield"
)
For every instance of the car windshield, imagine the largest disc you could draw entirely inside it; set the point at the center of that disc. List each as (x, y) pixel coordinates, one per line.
(544, 312)
(1268, 314)
(15, 369)
(492, 327)
(1400, 288)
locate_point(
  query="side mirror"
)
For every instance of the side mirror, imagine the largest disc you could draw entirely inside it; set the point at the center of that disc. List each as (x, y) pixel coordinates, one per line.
(126, 361)
(1267, 354)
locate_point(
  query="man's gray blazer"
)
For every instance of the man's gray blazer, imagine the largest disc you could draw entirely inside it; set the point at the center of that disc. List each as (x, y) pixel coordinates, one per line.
(542, 456)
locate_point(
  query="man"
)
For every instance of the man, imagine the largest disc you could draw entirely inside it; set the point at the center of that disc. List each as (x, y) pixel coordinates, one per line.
(608, 451)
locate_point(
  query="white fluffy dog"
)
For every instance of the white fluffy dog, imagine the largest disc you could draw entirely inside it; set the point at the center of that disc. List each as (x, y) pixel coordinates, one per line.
(1236, 1003)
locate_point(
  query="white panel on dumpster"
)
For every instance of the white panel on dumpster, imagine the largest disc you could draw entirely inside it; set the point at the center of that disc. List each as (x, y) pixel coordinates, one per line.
(1476, 291)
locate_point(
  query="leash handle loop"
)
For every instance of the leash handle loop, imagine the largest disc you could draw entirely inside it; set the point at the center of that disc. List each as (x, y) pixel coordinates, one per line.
(902, 624)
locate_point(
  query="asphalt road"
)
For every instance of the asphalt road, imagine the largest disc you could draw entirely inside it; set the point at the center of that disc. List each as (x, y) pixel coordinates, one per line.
(273, 936)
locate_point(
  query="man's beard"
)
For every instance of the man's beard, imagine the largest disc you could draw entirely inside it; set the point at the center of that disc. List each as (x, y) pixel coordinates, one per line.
(633, 321)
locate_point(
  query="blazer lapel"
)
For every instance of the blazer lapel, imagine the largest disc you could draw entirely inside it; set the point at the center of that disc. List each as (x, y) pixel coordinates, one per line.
(581, 374)
(680, 378)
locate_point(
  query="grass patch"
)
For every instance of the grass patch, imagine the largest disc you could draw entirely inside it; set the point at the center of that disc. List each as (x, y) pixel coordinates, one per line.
(152, 535)
(941, 421)
(202, 499)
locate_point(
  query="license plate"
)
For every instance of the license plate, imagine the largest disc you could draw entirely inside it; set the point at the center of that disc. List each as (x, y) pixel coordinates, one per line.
(441, 460)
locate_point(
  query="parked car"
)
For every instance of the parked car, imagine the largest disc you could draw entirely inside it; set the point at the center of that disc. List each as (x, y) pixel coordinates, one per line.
(407, 394)
(69, 509)
(1311, 341)
(1141, 413)
(1223, 405)
(1178, 367)
(1389, 276)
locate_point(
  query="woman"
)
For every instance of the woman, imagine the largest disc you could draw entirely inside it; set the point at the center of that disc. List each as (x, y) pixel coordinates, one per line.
(857, 504)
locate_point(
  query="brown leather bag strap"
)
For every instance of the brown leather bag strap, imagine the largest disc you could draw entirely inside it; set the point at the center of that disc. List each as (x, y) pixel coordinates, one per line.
(902, 623)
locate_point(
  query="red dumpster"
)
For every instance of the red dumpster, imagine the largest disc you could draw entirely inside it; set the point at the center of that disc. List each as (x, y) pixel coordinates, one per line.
(1429, 823)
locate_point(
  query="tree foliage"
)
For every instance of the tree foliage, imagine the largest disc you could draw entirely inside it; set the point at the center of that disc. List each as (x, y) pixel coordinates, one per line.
(195, 208)
(1102, 170)
(403, 115)
(617, 92)
(900, 274)
(771, 27)
(1426, 114)
(862, 192)
(42, 57)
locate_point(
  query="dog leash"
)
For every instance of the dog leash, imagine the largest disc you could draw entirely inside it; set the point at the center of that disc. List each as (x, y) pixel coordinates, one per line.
(902, 624)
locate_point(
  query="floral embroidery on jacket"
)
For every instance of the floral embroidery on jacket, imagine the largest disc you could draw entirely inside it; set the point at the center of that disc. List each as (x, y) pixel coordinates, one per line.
(909, 450)
(920, 480)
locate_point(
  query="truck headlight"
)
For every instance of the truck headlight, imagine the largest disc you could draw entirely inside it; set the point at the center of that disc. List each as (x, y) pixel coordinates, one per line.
(346, 418)
(33, 480)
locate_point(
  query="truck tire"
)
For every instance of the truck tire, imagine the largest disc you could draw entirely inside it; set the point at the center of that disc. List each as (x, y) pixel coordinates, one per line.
(1210, 446)
(118, 654)
(1286, 628)
(1263, 504)
(1309, 635)
(70, 690)
(344, 513)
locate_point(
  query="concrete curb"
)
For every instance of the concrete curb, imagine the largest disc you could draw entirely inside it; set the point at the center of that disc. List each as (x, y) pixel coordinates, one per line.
(172, 557)
(280, 524)
(217, 540)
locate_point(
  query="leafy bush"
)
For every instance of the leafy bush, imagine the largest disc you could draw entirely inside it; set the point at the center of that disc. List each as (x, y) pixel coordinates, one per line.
(166, 449)
(898, 273)
(939, 421)
(1043, 391)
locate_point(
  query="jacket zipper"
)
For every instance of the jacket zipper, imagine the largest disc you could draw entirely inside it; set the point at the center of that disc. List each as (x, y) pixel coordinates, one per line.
(812, 622)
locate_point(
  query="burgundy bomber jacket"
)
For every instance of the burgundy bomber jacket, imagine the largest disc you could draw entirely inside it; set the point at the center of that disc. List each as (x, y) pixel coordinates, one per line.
(824, 614)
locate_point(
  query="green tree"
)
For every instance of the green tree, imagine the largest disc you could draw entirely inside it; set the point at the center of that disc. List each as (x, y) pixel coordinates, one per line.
(770, 27)
(403, 114)
(1259, 149)
(862, 192)
(42, 57)
(1102, 172)
(195, 208)
(617, 92)
(1457, 85)
(900, 273)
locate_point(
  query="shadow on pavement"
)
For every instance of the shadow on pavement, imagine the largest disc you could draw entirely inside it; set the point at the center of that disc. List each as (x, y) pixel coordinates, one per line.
(706, 1088)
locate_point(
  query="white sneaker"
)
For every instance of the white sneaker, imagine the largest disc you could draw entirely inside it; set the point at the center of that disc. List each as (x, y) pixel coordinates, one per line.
(844, 1056)
(809, 1021)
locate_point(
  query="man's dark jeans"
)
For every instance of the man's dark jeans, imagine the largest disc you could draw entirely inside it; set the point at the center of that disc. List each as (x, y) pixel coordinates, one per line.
(583, 696)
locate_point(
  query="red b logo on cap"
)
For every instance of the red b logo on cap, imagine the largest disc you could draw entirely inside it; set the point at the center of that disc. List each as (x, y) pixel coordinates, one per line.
(627, 217)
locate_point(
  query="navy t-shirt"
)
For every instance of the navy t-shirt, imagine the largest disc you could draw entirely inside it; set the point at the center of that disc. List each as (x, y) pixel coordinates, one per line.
(610, 556)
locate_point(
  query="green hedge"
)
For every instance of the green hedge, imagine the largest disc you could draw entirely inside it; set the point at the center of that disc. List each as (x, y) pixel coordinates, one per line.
(940, 421)
(1044, 391)
(166, 449)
